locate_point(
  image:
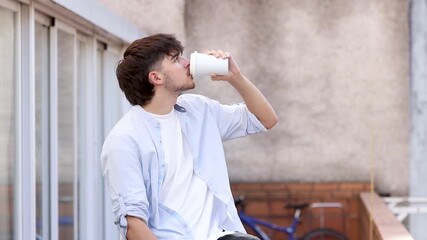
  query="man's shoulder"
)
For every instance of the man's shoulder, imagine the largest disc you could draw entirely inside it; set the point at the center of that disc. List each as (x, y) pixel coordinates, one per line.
(126, 128)
(191, 97)
(194, 100)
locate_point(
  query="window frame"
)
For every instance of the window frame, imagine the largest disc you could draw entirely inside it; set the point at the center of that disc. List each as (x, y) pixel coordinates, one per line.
(45, 164)
(111, 89)
(46, 12)
(54, 123)
(24, 169)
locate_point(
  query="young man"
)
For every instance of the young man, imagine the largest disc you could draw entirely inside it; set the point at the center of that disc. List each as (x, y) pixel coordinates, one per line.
(163, 162)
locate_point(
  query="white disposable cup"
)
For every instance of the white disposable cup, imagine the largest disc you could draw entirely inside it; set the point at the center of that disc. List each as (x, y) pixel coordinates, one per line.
(203, 65)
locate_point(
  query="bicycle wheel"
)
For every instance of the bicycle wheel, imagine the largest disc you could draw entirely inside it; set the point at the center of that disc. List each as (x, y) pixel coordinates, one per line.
(324, 234)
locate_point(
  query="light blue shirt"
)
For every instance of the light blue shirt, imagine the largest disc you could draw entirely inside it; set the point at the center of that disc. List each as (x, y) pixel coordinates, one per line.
(133, 162)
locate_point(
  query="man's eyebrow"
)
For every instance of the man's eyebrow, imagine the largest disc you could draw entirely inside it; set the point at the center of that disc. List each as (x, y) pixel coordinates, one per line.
(174, 56)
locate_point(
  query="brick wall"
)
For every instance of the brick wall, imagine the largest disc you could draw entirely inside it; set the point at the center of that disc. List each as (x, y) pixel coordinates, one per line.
(377, 222)
(267, 201)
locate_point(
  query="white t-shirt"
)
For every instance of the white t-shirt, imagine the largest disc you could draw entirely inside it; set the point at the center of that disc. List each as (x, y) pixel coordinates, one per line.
(182, 190)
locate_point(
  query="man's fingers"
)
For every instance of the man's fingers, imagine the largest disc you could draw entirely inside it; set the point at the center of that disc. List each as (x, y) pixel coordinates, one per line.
(217, 53)
(216, 77)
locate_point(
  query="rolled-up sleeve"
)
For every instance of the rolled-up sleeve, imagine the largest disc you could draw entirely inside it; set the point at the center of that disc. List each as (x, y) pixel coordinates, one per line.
(236, 121)
(122, 172)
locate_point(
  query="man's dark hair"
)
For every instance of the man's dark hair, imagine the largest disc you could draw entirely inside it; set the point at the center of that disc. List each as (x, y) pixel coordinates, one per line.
(141, 57)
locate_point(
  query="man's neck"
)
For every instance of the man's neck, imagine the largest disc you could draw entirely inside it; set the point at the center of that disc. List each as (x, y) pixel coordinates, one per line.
(160, 106)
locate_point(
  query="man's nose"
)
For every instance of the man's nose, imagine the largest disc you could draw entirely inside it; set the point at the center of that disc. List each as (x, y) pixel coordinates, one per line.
(185, 62)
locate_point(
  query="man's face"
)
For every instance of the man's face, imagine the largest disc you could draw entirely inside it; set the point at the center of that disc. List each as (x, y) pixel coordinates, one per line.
(176, 72)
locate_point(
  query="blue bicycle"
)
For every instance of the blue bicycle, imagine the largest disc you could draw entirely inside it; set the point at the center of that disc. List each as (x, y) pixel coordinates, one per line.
(255, 225)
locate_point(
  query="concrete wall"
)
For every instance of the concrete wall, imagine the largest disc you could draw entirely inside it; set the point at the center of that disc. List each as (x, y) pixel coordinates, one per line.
(418, 152)
(335, 71)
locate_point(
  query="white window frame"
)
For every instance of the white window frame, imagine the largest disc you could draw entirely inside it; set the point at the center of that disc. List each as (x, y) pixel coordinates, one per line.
(54, 178)
(24, 160)
(98, 222)
(44, 20)
(91, 192)
(112, 97)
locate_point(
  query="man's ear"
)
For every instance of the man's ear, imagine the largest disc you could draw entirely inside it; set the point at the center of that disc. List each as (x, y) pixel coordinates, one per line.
(155, 77)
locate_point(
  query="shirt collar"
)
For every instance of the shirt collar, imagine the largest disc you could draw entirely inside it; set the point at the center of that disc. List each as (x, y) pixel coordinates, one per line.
(180, 108)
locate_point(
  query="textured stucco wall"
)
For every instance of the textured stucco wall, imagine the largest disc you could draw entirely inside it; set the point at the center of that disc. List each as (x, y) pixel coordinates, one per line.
(152, 16)
(335, 71)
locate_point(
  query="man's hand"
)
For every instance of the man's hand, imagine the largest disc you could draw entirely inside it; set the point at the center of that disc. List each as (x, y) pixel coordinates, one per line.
(138, 230)
(233, 69)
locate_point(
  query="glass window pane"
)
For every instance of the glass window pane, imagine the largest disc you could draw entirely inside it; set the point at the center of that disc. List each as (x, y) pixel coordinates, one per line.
(100, 96)
(7, 120)
(66, 136)
(81, 126)
(42, 129)
(81, 90)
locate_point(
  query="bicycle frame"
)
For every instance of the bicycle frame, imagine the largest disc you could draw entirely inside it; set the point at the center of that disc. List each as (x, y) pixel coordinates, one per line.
(255, 224)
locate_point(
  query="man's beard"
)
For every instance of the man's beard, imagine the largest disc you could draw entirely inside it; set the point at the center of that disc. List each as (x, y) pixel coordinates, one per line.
(171, 86)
